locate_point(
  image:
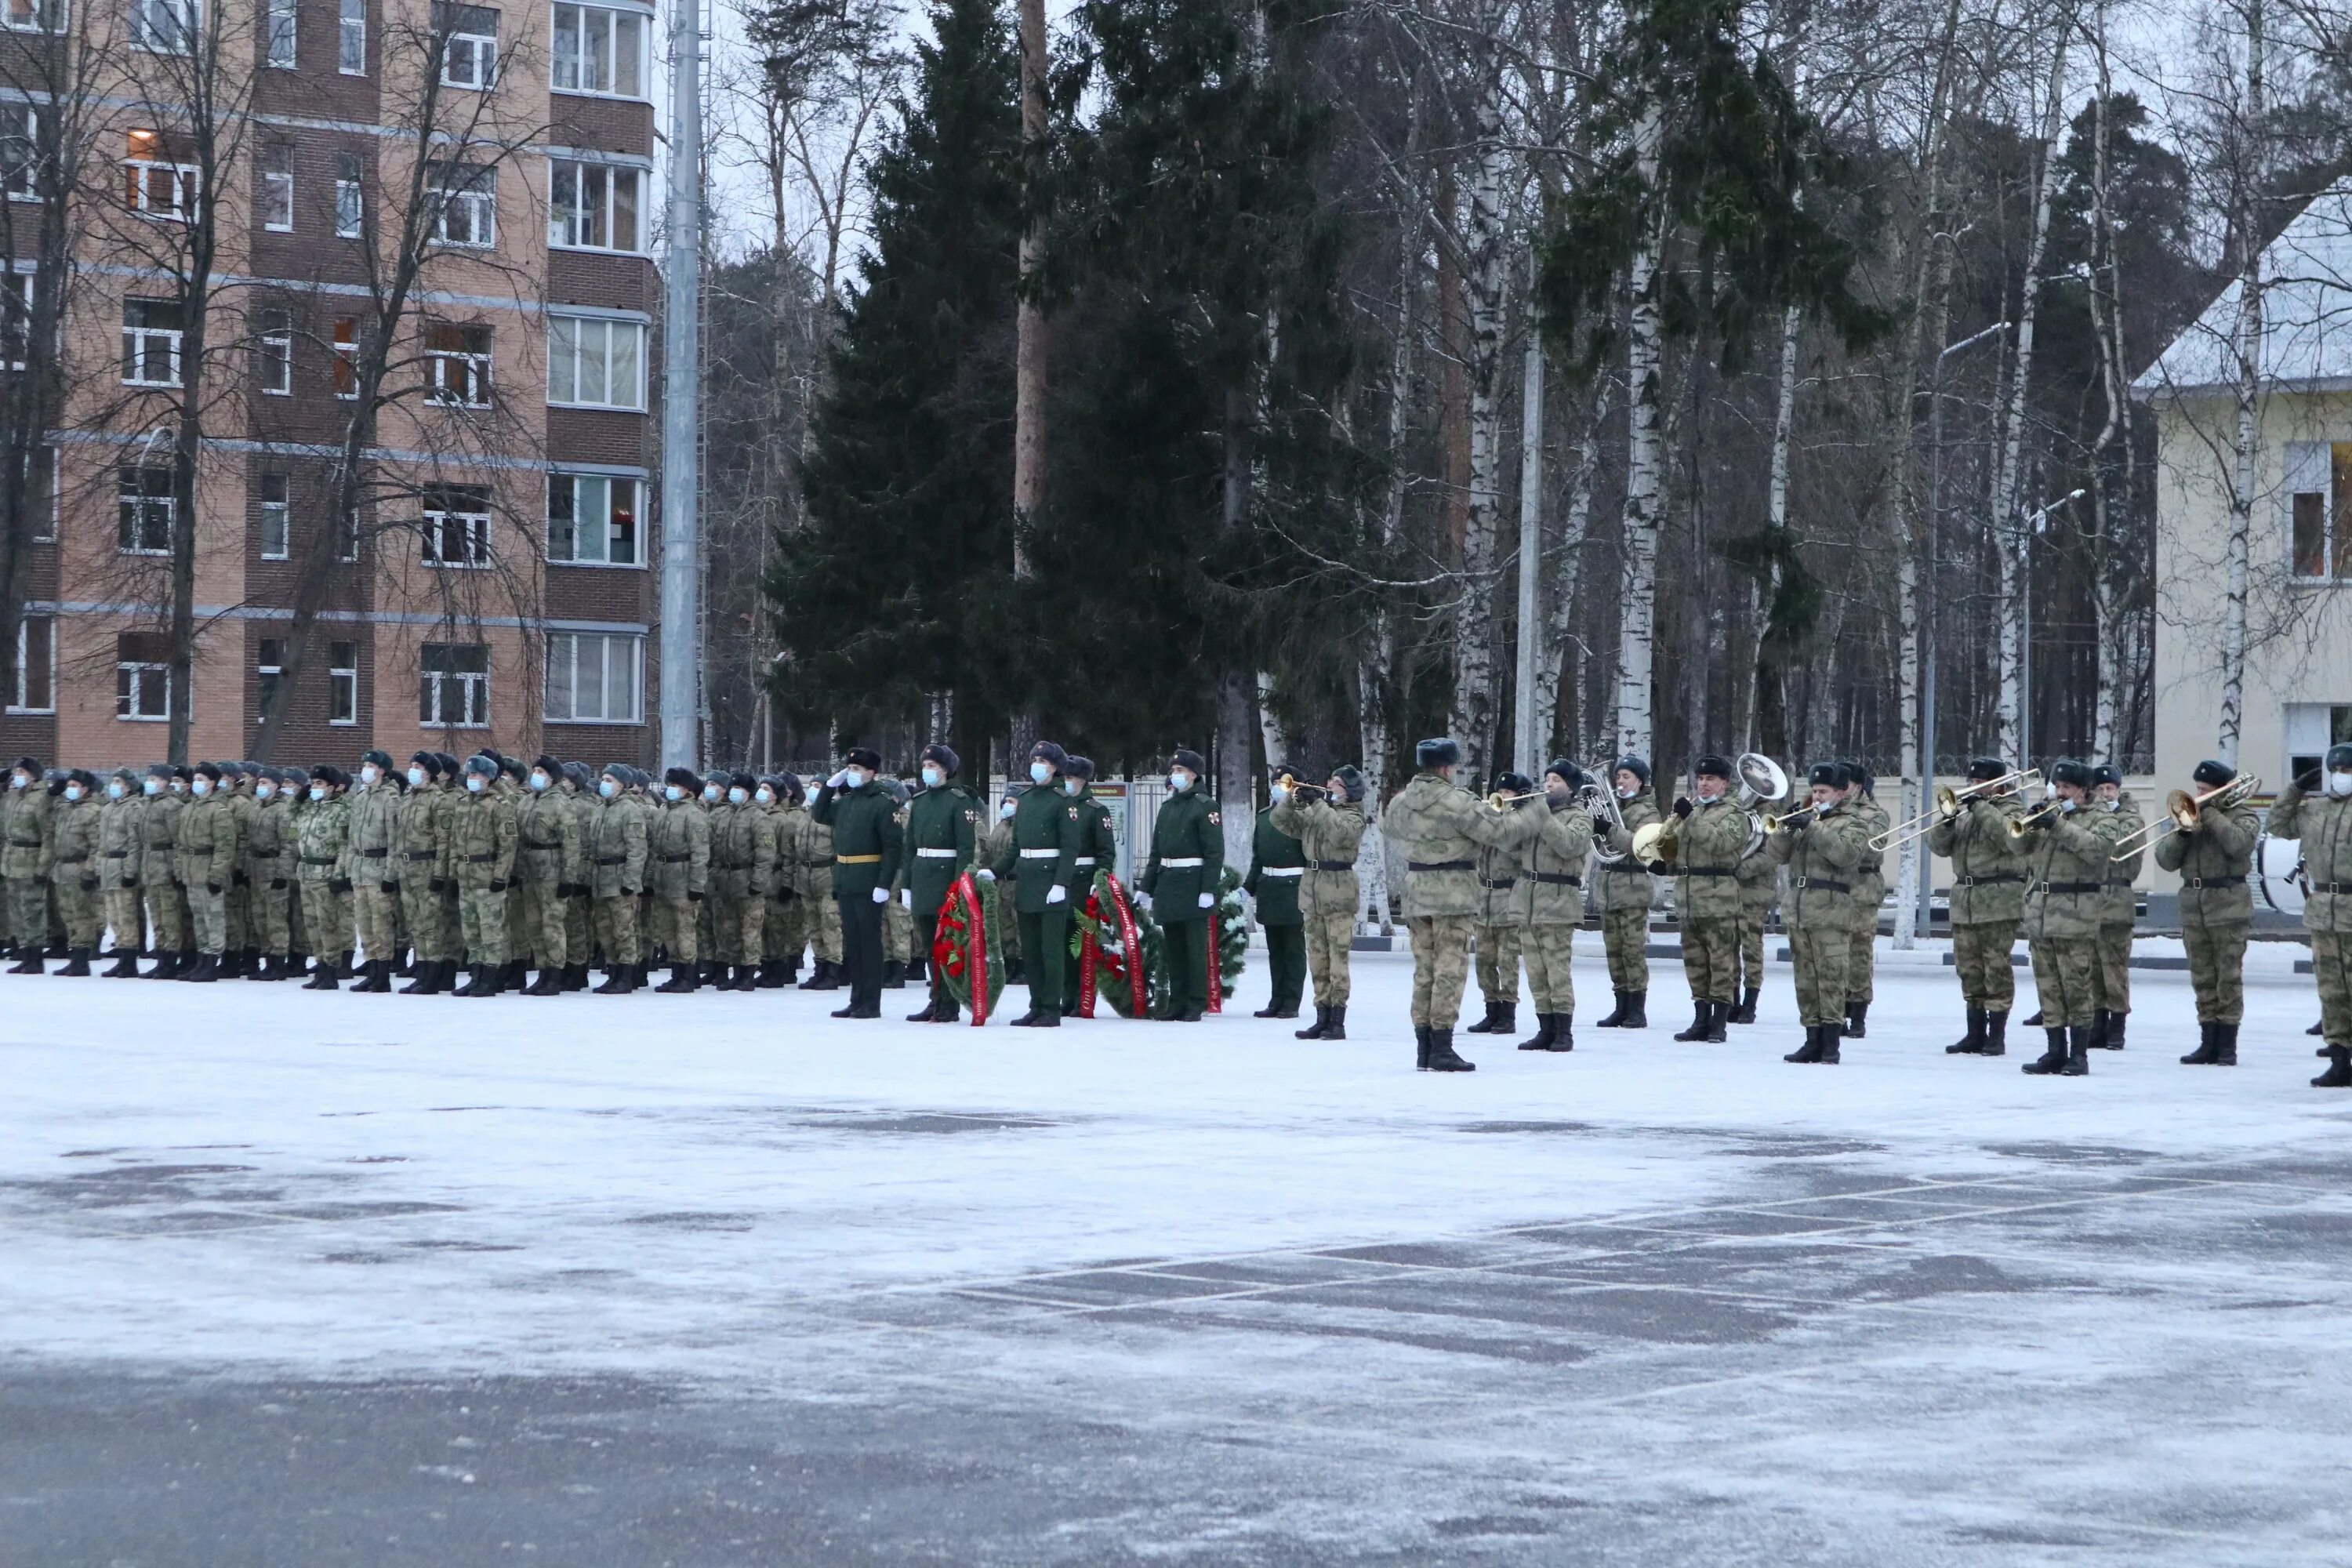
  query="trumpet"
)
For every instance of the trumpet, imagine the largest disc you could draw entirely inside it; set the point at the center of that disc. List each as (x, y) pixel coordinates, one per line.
(1499, 800)
(1777, 823)
(2183, 812)
(1293, 785)
(1948, 802)
(2019, 827)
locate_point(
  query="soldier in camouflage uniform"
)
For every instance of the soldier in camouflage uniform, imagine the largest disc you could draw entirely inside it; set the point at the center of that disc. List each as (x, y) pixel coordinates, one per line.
(1330, 826)
(1500, 934)
(1435, 830)
(1711, 835)
(25, 847)
(482, 862)
(942, 841)
(616, 878)
(1822, 847)
(423, 849)
(746, 890)
(1625, 890)
(1869, 897)
(2217, 911)
(787, 913)
(121, 847)
(1278, 869)
(1988, 904)
(2316, 811)
(814, 881)
(2067, 846)
(210, 837)
(269, 852)
(550, 857)
(677, 876)
(2118, 911)
(577, 790)
(75, 869)
(372, 810)
(237, 780)
(1552, 865)
(322, 865)
(1760, 888)
(159, 872)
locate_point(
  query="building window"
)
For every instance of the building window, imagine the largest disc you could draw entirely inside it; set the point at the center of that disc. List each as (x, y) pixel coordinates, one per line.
(32, 16)
(16, 316)
(2319, 478)
(281, 34)
(276, 519)
(594, 206)
(150, 342)
(266, 669)
(455, 688)
(350, 41)
(144, 510)
(345, 341)
(594, 677)
(36, 666)
(2311, 729)
(142, 678)
(155, 183)
(350, 201)
(456, 526)
(600, 50)
(458, 361)
(278, 188)
(20, 152)
(468, 37)
(166, 26)
(595, 363)
(342, 683)
(466, 204)
(592, 520)
(48, 479)
(274, 354)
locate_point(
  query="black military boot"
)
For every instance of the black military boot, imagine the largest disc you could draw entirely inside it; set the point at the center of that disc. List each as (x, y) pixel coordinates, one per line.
(1830, 1035)
(1336, 1028)
(713, 973)
(1811, 1051)
(746, 977)
(1485, 1025)
(126, 964)
(1702, 1020)
(2034, 1022)
(1718, 1014)
(2225, 1039)
(167, 965)
(1441, 1058)
(1996, 1041)
(2209, 1046)
(1637, 1011)
(549, 983)
(2340, 1069)
(406, 968)
(2052, 1058)
(1857, 1020)
(379, 976)
(323, 976)
(1541, 1040)
(919, 971)
(771, 976)
(1617, 1017)
(2318, 1030)
(828, 978)
(1972, 1042)
(1015, 972)
(34, 961)
(1314, 1031)
(2113, 1039)
(76, 962)
(2078, 1048)
(947, 1009)
(1745, 1012)
(421, 985)
(1562, 1038)
(207, 969)
(894, 975)
(619, 980)
(683, 977)
(575, 977)
(1421, 1048)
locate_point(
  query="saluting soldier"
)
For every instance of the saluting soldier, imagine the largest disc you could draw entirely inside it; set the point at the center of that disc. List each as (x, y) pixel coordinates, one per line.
(2317, 810)
(2212, 855)
(1869, 897)
(159, 872)
(1711, 837)
(1041, 856)
(1188, 855)
(863, 819)
(1498, 936)
(1437, 829)
(1328, 824)
(270, 851)
(823, 912)
(74, 872)
(25, 862)
(1552, 903)
(1822, 847)
(1276, 874)
(322, 861)
(787, 924)
(2067, 844)
(616, 873)
(1988, 904)
(552, 859)
(121, 849)
(2118, 910)
(942, 841)
(1625, 897)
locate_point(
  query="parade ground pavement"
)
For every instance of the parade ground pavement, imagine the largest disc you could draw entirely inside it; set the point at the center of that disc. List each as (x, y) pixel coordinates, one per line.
(299, 1280)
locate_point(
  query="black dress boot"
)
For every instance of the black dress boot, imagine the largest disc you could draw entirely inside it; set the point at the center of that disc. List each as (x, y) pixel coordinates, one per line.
(1541, 1040)
(2078, 1057)
(1276, 1010)
(2340, 1069)
(1811, 1051)
(1745, 1012)
(2225, 1037)
(2052, 1058)
(1442, 1057)
(2209, 1046)
(2114, 1035)
(1336, 1028)
(930, 1014)
(1972, 1042)
(1996, 1041)
(1421, 1048)
(1702, 1016)
(1857, 1020)
(1314, 1031)
(1617, 1017)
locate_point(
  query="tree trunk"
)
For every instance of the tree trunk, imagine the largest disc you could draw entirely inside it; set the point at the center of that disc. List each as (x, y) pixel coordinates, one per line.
(1476, 623)
(1636, 652)
(2250, 173)
(1561, 663)
(1029, 368)
(1531, 737)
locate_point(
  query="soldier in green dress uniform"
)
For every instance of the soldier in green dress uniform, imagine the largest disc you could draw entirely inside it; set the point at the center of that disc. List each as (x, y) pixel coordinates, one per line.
(1188, 853)
(1041, 859)
(1278, 869)
(862, 818)
(942, 840)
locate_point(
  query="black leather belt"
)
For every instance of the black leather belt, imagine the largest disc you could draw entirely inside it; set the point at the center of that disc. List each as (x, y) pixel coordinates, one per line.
(550, 844)
(207, 851)
(422, 854)
(2336, 888)
(315, 859)
(71, 860)
(118, 854)
(1491, 883)
(1824, 884)
(611, 860)
(1625, 866)
(1558, 879)
(1987, 882)
(728, 865)
(2212, 881)
(1440, 866)
(374, 854)
(24, 843)
(1706, 870)
(674, 859)
(2070, 887)
(481, 859)
(1330, 864)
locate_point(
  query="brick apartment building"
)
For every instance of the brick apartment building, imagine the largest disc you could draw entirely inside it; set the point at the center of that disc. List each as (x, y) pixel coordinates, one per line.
(494, 585)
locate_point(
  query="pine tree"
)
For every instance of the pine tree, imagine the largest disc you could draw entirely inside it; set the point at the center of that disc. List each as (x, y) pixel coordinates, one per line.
(896, 588)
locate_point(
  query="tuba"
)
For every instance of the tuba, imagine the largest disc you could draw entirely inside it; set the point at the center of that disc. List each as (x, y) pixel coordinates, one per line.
(1601, 801)
(1762, 782)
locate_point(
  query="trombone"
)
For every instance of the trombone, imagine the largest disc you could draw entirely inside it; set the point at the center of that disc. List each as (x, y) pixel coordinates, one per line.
(2183, 812)
(2019, 827)
(1948, 802)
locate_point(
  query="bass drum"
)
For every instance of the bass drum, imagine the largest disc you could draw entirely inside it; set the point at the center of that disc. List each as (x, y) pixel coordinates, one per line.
(2278, 874)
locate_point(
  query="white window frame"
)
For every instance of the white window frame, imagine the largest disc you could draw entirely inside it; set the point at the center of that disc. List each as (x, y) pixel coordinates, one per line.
(278, 200)
(350, 198)
(149, 510)
(475, 204)
(565, 651)
(161, 191)
(277, 517)
(342, 685)
(128, 696)
(266, 673)
(575, 342)
(459, 378)
(20, 150)
(346, 359)
(2311, 471)
(25, 662)
(166, 26)
(468, 60)
(472, 688)
(588, 54)
(142, 344)
(575, 487)
(351, 38)
(279, 52)
(20, 282)
(574, 213)
(451, 514)
(274, 354)
(33, 16)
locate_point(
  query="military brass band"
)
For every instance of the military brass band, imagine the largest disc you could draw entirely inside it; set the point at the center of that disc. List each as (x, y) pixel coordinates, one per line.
(440, 871)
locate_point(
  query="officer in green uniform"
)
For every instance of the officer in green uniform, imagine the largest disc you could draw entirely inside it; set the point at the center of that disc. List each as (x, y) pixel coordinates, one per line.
(1187, 855)
(863, 819)
(1822, 847)
(1710, 836)
(1552, 903)
(1987, 903)
(1277, 870)
(74, 872)
(2213, 852)
(323, 862)
(25, 854)
(2316, 810)
(121, 847)
(1041, 856)
(159, 871)
(1329, 822)
(2118, 911)
(942, 842)
(2067, 846)
(1625, 892)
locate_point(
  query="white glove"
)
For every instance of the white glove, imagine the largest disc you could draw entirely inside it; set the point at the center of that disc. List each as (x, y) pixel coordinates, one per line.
(1208, 901)
(881, 894)
(838, 780)
(1057, 893)
(985, 875)
(1143, 900)
(907, 896)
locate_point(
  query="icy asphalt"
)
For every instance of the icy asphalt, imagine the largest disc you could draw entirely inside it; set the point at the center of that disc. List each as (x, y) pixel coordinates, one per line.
(290, 1279)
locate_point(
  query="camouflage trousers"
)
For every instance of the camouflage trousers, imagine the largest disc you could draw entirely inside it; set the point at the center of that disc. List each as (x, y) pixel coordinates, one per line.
(1709, 959)
(427, 930)
(541, 932)
(826, 937)
(272, 913)
(1441, 963)
(2066, 980)
(1626, 938)
(2331, 965)
(739, 923)
(237, 907)
(1861, 962)
(786, 929)
(579, 937)
(326, 919)
(675, 931)
(81, 910)
(2113, 947)
(615, 920)
(1751, 949)
(482, 924)
(209, 911)
(2217, 969)
(1499, 963)
(1820, 958)
(1981, 952)
(127, 917)
(167, 917)
(375, 915)
(1329, 939)
(1547, 951)
(28, 910)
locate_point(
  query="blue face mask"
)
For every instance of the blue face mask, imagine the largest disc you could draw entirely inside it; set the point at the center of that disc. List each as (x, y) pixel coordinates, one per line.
(416, 778)
(477, 782)
(151, 787)
(1072, 786)
(201, 786)
(607, 788)
(114, 792)
(933, 778)
(1041, 772)
(737, 796)
(539, 781)
(1179, 782)
(811, 794)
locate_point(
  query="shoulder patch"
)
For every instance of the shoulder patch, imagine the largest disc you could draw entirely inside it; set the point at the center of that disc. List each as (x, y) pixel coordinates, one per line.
(1074, 813)
(1214, 818)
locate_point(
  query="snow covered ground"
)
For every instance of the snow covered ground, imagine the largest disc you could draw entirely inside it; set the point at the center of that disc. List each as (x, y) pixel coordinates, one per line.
(312, 1278)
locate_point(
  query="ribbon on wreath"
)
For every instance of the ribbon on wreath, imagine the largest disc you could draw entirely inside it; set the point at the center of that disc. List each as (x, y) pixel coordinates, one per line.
(960, 945)
(1216, 964)
(1125, 965)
